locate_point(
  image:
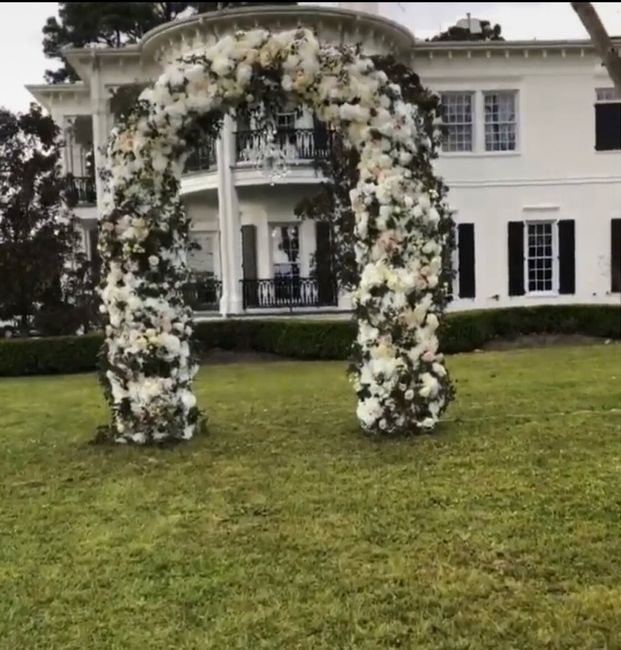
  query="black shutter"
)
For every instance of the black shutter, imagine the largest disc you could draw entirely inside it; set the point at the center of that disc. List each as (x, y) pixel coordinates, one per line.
(516, 258)
(465, 243)
(567, 256)
(249, 265)
(615, 255)
(326, 285)
(608, 126)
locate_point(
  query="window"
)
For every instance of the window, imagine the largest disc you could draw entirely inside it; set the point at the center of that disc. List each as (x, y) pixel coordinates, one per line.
(201, 254)
(607, 119)
(500, 121)
(457, 113)
(286, 251)
(286, 259)
(285, 121)
(540, 256)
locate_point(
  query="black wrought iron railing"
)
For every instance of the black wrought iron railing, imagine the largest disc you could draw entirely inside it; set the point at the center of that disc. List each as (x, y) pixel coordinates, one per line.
(298, 144)
(289, 293)
(203, 292)
(82, 189)
(203, 157)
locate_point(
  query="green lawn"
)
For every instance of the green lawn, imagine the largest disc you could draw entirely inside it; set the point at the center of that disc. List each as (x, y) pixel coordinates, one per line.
(286, 528)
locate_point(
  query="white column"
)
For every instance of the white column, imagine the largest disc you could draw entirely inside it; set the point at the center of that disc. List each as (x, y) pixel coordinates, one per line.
(230, 225)
(101, 126)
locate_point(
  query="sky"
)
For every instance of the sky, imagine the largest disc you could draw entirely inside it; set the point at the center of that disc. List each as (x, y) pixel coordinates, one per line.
(22, 61)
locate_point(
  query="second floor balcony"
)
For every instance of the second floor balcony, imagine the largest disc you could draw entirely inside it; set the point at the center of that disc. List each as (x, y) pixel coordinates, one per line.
(300, 146)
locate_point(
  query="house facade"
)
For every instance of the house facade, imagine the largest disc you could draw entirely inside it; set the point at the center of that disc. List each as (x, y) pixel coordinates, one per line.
(532, 159)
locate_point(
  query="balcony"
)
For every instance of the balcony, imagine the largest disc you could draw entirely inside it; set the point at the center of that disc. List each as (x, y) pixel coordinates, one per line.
(302, 145)
(289, 293)
(82, 190)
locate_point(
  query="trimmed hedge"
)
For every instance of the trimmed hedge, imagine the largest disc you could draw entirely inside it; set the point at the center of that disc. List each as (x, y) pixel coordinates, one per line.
(47, 356)
(320, 339)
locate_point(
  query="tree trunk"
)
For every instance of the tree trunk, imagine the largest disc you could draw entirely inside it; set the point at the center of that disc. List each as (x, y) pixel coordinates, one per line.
(601, 41)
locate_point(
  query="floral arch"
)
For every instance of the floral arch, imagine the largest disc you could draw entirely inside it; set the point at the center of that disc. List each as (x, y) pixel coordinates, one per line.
(147, 371)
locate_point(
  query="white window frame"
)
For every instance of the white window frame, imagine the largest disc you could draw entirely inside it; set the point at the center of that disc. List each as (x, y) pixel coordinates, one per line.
(478, 119)
(473, 122)
(554, 291)
(516, 122)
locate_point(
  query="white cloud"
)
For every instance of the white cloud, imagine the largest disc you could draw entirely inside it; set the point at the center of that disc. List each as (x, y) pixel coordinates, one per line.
(22, 61)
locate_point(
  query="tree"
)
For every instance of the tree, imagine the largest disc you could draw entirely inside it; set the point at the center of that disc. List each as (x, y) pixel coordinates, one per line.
(37, 234)
(601, 41)
(111, 24)
(471, 29)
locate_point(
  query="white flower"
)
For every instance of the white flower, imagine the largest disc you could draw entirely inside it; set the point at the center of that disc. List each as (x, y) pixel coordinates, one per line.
(154, 260)
(369, 411)
(432, 322)
(188, 399)
(221, 65)
(244, 74)
(409, 395)
(430, 385)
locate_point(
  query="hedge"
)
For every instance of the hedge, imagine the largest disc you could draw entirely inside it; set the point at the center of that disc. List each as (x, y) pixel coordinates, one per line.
(320, 339)
(51, 355)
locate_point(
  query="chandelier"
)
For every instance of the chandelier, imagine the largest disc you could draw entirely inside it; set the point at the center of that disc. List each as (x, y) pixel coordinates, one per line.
(272, 157)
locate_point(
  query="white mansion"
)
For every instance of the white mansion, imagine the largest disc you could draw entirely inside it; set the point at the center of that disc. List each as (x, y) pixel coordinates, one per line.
(532, 160)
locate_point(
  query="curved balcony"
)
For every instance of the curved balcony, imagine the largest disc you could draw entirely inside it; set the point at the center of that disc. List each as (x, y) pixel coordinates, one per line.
(299, 145)
(302, 147)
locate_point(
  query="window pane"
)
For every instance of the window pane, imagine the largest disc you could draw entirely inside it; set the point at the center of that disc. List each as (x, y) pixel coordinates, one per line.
(457, 115)
(500, 121)
(540, 257)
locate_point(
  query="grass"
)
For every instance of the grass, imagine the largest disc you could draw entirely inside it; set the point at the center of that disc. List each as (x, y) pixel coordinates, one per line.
(286, 528)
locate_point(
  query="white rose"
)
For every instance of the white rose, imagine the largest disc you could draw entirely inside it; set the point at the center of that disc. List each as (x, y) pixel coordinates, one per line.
(188, 399)
(154, 260)
(409, 395)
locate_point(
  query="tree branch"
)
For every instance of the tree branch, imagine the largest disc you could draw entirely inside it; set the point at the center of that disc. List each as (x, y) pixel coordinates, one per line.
(608, 53)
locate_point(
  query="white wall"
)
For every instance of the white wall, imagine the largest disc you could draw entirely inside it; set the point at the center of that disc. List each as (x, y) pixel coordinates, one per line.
(555, 173)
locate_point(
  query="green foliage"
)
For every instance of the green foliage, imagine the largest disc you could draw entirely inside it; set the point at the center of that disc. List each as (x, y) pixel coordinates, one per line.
(467, 331)
(321, 339)
(286, 529)
(48, 356)
(459, 33)
(37, 230)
